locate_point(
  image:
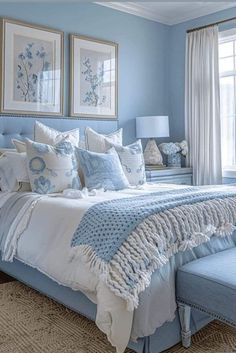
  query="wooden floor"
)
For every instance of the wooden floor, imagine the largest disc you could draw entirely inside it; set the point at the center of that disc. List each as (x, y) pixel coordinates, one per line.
(5, 278)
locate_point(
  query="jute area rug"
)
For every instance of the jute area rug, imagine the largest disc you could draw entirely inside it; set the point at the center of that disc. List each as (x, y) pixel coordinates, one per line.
(32, 323)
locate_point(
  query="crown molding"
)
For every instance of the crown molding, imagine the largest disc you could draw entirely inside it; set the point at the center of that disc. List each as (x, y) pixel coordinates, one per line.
(139, 9)
(134, 9)
(205, 10)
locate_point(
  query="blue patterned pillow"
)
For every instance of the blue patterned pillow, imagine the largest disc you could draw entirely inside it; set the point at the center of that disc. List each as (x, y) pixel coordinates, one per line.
(132, 161)
(52, 168)
(102, 170)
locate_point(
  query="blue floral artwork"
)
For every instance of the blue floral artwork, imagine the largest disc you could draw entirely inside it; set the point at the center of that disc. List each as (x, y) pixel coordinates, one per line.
(95, 77)
(33, 70)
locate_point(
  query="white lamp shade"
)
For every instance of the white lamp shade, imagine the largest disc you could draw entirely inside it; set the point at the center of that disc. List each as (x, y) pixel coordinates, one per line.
(152, 126)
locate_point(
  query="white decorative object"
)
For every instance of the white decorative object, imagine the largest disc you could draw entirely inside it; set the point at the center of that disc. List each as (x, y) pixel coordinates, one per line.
(184, 147)
(150, 127)
(152, 154)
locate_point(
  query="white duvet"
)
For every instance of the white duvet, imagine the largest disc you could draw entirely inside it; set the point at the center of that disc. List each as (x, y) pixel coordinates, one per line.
(45, 245)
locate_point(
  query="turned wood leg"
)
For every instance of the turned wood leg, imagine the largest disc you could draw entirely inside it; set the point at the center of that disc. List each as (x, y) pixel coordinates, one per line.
(184, 315)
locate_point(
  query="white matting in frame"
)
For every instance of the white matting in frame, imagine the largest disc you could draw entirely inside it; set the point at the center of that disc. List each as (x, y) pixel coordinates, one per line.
(93, 78)
(32, 69)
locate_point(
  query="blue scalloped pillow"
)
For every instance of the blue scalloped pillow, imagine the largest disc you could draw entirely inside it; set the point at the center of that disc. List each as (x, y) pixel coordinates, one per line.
(52, 168)
(102, 170)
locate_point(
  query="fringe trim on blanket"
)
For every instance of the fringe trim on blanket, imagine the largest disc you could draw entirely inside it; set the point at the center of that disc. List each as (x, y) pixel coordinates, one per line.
(155, 240)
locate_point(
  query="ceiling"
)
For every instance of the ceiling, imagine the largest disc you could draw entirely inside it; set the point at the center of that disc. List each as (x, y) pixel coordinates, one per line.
(169, 13)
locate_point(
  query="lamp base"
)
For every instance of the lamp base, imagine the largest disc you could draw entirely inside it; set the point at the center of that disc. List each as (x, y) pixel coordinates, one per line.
(152, 154)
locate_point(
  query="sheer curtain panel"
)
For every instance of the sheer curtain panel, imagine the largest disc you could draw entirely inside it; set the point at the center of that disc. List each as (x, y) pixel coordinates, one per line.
(202, 106)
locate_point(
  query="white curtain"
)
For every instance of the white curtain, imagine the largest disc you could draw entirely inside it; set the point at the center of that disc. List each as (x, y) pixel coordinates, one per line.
(202, 106)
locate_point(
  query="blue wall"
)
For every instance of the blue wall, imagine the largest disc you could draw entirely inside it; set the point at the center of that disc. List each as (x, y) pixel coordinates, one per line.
(151, 55)
(176, 72)
(143, 47)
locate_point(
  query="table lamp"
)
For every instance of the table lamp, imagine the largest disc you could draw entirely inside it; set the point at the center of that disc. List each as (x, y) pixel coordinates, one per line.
(151, 127)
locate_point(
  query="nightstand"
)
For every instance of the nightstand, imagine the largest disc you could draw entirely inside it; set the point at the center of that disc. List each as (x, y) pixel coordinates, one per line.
(170, 176)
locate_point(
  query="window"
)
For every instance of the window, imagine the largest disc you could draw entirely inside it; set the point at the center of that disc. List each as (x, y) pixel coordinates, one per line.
(227, 67)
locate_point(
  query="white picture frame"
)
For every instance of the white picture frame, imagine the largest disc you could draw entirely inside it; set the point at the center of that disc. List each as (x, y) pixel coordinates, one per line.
(32, 69)
(93, 78)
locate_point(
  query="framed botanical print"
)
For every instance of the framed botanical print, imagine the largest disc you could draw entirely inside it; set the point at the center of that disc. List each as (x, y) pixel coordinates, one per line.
(93, 78)
(31, 69)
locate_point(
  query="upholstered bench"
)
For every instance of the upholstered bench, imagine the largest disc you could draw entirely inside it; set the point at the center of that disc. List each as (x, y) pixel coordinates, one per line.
(207, 284)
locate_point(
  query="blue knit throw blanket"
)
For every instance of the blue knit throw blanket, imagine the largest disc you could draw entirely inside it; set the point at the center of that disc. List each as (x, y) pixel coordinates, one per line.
(126, 240)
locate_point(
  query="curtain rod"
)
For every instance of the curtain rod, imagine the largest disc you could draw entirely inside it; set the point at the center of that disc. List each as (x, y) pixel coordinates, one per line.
(211, 24)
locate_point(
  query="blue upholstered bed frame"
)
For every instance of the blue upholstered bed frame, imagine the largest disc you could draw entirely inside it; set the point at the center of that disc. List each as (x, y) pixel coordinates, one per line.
(22, 127)
(166, 336)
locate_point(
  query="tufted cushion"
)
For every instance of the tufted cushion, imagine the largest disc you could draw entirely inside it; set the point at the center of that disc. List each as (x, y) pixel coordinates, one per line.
(209, 284)
(12, 127)
(102, 170)
(52, 168)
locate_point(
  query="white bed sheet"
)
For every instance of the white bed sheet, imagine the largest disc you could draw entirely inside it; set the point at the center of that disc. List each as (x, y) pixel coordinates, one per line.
(45, 245)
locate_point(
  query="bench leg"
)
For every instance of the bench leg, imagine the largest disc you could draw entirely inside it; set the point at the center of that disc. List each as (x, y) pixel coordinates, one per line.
(184, 315)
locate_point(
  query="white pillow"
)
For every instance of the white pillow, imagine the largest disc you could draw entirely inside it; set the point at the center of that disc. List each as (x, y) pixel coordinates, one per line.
(8, 181)
(18, 162)
(52, 168)
(50, 136)
(97, 142)
(132, 161)
(19, 145)
(3, 150)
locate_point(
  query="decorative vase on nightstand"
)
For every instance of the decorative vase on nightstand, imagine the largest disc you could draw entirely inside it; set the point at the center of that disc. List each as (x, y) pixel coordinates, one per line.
(173, 151)
(174, 160)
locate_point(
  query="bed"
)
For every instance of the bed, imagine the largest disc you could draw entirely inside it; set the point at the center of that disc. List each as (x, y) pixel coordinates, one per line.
(168, 332)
